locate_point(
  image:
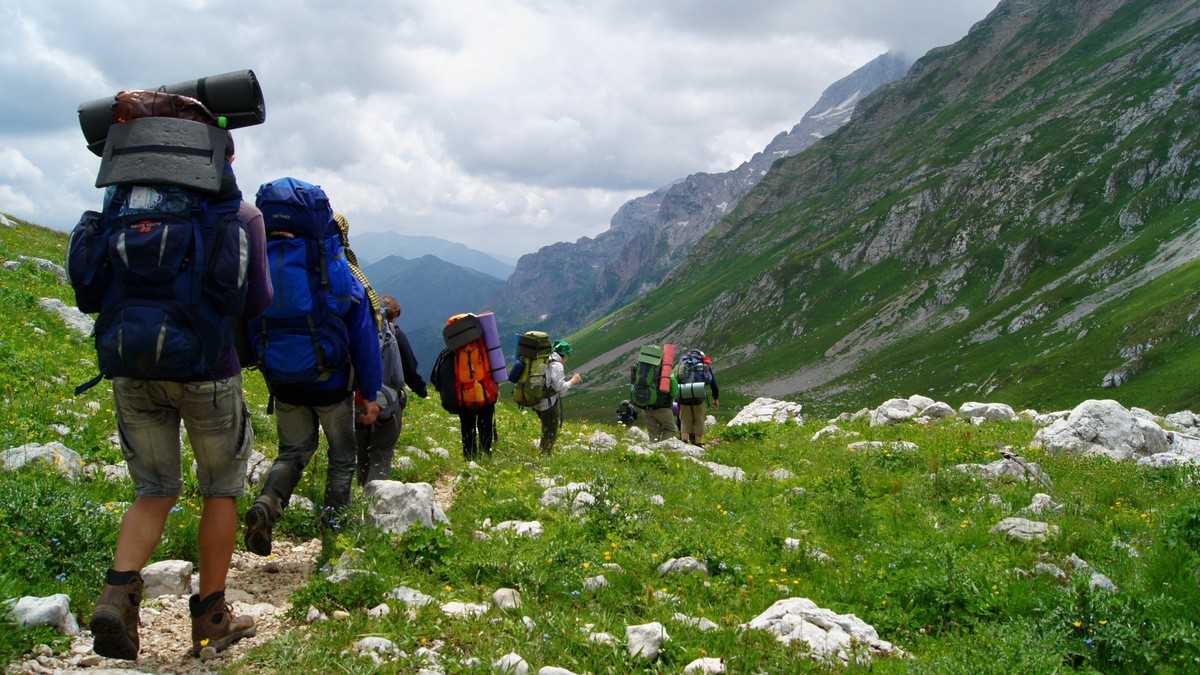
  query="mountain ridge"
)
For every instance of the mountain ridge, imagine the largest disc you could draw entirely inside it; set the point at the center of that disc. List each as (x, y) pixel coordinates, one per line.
(374, 246)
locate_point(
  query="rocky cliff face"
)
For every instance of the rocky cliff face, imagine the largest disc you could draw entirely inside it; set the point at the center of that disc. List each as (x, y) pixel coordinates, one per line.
(563, 286)
(1019, 214)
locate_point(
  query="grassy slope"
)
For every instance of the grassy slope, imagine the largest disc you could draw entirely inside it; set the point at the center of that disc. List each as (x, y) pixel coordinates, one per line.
(785, 232)
(909, 538)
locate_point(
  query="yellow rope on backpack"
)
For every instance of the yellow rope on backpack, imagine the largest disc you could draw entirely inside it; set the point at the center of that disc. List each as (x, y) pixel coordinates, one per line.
(376, 305)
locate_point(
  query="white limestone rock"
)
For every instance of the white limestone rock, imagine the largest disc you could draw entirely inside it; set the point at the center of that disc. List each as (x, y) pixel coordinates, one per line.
(1103, 427)
(721, 470)
(894, 446)
(601, 441)
(831, 431)
(511, 663)
(709, 422)
(893, 411)
(1047, 419)
(1185, 420)
(678, 447)
(56, 455)
(51, 610)
(394, 506)
(768, 410)
(830, 636)
(554, 670)
(637, 434)
(684, 565)
(1023, 529)
(506, 598)
(379, 611)
(991, 412)
(464, 610)
(1010, 466)
(167, 577)
(595, 583)
(938, 411)
(706, 665)
(1042, 504)
(582, 502)
(521, 528)
(781, 474)
(645, 641)
(699, 623)
(560, 495)
(410, 596)
(77, 321)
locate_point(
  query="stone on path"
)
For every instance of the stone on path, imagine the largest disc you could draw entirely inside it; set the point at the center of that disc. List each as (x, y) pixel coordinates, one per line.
(167, 577)
(684, 565)
(511, 663)
(830, 636)
(678, 447)
(1103, 427)
(51, 610)
(707, 665)
(395, 506)
(74, 319)
(58, 456)
(645, 641)
(768, 410)
(1023, 529)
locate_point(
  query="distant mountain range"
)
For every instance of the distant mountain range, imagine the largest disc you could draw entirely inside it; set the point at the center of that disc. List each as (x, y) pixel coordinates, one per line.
(374, 246)
(430, 290)
(563, 286)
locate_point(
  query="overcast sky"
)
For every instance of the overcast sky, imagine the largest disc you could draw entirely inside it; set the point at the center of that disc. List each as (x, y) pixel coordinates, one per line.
(514, 122)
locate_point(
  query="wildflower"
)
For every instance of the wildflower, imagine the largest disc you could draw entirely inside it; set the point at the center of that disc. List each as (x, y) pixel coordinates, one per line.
(585, 565)
(204, 642)
(447, 588)
(1077, 623)
(1103, 622)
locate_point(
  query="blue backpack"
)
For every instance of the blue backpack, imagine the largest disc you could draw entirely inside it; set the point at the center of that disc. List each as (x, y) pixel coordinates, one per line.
(302, 337)
(166, 268)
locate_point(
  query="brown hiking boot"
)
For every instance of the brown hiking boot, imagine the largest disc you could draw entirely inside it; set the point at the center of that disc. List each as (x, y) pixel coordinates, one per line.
(115, 620)
(260, 521)
(214, 627)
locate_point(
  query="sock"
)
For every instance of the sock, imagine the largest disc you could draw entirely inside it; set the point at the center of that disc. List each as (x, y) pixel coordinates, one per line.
(114, 578)
(199, 606)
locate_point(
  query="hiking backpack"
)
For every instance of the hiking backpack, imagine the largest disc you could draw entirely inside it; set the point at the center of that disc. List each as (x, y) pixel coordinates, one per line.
(533, 359)
(442, 379)
(166, 267)
(473, 383)
(302, 337)
(692, 374)
(644, 377)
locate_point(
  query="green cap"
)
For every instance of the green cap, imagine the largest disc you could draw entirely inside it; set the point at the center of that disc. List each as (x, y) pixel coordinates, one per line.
(563, 347)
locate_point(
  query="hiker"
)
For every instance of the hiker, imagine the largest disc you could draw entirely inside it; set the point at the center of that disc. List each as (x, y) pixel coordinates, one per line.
(550, 409)
(376, 441)
(408, 360)
(695, 376)
(463, 376)
(318, 350)
(652, 389)
(626, 414)
(168, 366)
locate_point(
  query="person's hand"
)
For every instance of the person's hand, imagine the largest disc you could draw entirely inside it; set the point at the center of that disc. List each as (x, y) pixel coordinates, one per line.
(716, 404)
(576, 378)
(370, 414)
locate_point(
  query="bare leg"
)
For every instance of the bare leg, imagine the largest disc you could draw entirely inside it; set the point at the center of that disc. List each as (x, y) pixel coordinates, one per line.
(141, 528)
(218, 529)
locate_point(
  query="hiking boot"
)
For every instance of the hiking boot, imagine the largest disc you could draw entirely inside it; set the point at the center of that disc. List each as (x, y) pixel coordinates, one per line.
(115, 620)
(260, 519)
(214, 627)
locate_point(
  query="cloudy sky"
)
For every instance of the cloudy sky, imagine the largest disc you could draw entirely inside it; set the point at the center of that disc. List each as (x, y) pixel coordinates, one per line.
(515, 122)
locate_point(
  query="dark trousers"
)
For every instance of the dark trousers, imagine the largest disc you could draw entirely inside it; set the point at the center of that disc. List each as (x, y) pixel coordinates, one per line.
(477, 424)
(298, 427)
(376, 447)
(551, 419)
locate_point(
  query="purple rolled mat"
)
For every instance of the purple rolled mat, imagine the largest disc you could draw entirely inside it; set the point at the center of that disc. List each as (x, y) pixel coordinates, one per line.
(491, 339)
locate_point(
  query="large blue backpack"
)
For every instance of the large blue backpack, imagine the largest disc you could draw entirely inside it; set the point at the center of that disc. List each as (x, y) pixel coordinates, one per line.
(166, 268)
(302, 337)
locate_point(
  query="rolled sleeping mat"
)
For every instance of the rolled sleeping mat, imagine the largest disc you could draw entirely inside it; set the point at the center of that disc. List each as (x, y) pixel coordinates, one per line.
(668, 364)
(495, 350)
(237, 96)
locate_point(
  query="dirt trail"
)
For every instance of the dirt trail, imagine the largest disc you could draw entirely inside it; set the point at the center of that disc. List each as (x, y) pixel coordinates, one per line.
(443, 491)
(259, 587)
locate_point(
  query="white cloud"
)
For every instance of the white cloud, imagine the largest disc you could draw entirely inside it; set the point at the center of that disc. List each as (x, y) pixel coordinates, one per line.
(516, 121)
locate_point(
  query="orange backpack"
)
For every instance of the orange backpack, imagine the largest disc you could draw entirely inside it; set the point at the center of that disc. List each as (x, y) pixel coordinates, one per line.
(472, 374)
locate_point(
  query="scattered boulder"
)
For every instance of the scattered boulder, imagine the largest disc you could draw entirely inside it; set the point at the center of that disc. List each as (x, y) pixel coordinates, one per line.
(464, 610)
(378, 649)
(707, 665)
(893, 411)
(416, 452)
(554, 670)
(781, 474)
(410, 596)
(601, 441)
(52, 610)
(396, 506)
(709, 422)
(58, 456)
(601, 639)
(684, 565)
(348, 566)
(74, 319)
(768, 410)
(507, 598)
(920, 402)
(167, 577)
(380, 610)
(678, 447)
(938, 411)
(560, 495)
(440, 452)
(645, 640)
(830, 636)
(1047, 419)
(1103, 427)
(1163, 460)
(595, 583)
(315, 615)
(721, 470)
(1042, 504)
(1044, 569)
(41, 264)
(637, 434)
(699, 623)
(257, 468)
(991, 412)
(1023, 529)
(521, 528)
(511, 663)
(831, 431)
(115, 473)
(1010, 466)
(1099, 582)
(1185, 420)
(895, 446)
(657, 500)
(582, 502)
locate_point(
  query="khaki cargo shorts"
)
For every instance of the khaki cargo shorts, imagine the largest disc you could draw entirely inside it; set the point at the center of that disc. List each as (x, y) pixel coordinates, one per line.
(218, 426)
